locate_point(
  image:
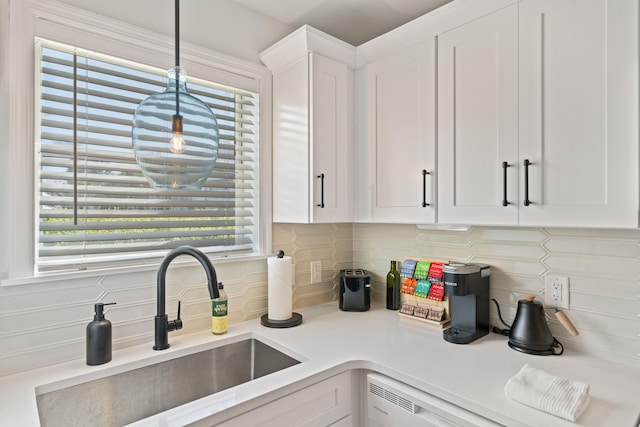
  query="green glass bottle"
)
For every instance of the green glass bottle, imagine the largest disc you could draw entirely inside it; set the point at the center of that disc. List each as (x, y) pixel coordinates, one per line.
(393, 287)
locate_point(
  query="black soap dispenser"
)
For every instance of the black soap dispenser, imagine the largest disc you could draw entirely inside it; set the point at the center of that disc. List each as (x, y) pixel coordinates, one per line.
(99, 337)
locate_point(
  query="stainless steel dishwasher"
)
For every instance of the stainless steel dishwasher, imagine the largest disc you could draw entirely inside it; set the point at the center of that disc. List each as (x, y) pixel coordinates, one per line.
(391, 403)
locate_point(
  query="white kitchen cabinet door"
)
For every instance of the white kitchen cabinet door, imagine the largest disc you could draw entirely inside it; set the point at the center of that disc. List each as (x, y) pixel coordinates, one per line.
(313, 142)
(401, 169)
(333, 140)
(579, 112)
(478, 121)
(328, 402)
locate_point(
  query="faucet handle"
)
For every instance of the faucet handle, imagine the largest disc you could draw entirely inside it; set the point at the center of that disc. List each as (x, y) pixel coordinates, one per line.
(174, 325)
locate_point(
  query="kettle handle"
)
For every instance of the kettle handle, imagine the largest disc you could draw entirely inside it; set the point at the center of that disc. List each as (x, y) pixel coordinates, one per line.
(555, 346)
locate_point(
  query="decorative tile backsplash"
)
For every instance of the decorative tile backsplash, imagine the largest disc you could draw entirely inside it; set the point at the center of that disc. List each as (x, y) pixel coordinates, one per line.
(603, 268)
(45, 323)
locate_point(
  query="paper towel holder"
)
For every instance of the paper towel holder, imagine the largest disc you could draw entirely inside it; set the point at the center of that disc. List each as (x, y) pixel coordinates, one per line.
(294, 320)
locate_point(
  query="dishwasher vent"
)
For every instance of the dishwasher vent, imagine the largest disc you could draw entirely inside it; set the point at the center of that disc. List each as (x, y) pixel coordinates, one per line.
(392, 397)
(391, 403)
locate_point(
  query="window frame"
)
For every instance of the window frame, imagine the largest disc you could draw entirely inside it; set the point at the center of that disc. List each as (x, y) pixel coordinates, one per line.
(67, 25)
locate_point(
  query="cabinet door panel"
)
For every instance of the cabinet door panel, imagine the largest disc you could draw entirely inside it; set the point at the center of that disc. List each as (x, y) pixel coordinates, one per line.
(321, 404)
(578, 111)
(332, 153)
(290, 143)
(325, 131)
(401, 115)
(477, 120)
(313, 135)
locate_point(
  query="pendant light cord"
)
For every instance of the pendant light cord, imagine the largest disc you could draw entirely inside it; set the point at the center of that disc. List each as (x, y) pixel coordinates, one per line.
(177, 47)
(177, 33)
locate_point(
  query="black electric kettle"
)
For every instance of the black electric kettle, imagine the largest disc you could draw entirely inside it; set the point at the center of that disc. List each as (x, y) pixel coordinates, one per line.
(530, 332)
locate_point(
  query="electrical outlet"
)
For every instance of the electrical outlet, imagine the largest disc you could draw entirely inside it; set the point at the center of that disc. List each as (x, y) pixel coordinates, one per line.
(556, 291)
(316, 272)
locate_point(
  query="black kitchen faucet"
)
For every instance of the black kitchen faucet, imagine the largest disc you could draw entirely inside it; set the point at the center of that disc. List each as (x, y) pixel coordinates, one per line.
(162, 323)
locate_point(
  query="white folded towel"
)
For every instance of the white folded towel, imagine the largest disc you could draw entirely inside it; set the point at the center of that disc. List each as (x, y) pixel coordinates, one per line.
(555, 395)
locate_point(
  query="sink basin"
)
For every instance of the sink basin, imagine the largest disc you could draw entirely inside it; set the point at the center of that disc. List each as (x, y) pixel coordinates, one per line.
(129, 396)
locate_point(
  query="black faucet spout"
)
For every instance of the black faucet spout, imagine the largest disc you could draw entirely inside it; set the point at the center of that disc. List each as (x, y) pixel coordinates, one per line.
(162, 323)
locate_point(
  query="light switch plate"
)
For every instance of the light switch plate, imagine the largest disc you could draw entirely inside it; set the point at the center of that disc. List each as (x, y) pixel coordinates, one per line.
(556, 291)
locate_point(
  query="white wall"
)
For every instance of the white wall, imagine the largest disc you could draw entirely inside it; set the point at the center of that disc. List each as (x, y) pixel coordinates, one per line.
(221, 25)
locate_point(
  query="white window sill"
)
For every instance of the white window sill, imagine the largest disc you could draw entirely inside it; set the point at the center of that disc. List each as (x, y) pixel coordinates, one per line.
(147, 266)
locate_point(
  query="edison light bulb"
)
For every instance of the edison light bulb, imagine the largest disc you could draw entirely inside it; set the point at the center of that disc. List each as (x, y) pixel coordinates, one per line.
(177, 144)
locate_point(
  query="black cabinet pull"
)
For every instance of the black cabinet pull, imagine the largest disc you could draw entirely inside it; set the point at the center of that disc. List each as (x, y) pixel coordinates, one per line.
(505, 165)
(526, 163)
(321, 176)
(424, 188)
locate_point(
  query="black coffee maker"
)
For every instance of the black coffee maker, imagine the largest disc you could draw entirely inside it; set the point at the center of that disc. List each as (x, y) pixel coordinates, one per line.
(467, 287)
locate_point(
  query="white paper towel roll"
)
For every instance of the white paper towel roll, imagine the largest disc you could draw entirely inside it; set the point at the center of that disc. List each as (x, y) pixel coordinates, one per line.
(279, 287)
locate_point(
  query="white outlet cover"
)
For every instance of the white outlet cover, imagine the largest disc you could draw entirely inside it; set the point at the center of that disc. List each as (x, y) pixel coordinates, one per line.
(556, 291)
(316, 272)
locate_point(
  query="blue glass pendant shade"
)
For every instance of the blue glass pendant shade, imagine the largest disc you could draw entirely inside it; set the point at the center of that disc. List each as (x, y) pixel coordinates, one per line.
(153, 129)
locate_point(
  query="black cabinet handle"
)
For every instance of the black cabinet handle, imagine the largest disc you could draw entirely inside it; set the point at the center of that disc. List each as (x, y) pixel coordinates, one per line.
(526, 163)
(321, 176)
(505, 165)
(424, 188)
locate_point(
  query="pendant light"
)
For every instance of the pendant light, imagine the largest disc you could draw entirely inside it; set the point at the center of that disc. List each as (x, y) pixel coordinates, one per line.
(175, 135)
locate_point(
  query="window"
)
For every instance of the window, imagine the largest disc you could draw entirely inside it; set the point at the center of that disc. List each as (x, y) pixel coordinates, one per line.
(94, 204)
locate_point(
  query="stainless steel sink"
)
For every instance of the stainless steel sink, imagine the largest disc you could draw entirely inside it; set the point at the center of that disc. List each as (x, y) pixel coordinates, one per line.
(139, 393)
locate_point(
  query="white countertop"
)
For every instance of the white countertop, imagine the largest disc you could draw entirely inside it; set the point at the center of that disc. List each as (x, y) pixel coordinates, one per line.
(330, 341)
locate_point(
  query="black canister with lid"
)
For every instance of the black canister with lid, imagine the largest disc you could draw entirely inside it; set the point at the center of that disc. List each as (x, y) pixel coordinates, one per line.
(355, 290)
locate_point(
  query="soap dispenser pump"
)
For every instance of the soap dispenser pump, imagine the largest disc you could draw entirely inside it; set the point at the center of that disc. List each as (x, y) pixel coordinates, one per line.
(99, 337)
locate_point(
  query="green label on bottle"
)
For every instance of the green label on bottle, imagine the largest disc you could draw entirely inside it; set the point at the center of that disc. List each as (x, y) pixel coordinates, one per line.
(219, 308)
(219, 318)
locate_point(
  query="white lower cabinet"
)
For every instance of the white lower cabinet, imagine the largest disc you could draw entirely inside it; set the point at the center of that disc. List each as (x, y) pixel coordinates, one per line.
(328, 403)
(358, 398)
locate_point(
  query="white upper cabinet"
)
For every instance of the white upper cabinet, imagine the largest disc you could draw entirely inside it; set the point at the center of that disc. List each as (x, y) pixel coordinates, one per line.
(579, 112)
(494, 112)
(548, 88)
(478, 121)
(313, 130)
(400, 182)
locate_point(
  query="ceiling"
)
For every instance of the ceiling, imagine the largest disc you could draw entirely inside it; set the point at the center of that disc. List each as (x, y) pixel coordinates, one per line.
(353, 21)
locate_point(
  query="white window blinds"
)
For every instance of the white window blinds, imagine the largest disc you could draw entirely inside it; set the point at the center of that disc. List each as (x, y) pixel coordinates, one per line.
(94, 204)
